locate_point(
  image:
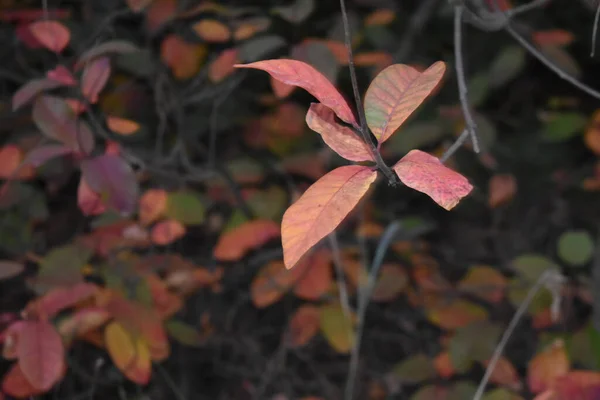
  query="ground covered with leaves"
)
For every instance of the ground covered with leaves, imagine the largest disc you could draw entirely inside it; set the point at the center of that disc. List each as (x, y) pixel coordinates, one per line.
(146, 170)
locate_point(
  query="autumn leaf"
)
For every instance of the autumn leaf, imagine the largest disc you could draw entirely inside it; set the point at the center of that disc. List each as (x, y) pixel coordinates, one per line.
(337, 328)
(94, 78)
(89, 202)
(167, 232)
(426, 174)
(390, 283)
(138, 5)
(271, 284)
(280, 89)
(553, 37)
(31, 89)
(108, 47)
(314, 275)
(298, 73)
(484, 282)
(112, 177)
(340, 139)
(223, 65)
(380, 17)
(56, 300)
(304, 325)
(183, 58)
(41, 354)
(396, 93)
(505, 374)
(322, 208)
(502, 189)
(160, 12)
(153, 204)
(62, 75)
(234, 244)
(547, 366)
(129, 353)
(12, 165)
(42, 154)
(10, 269)
(212, 31)
(82, 321)
(14, 383)
(122, 126)
(51, 34)
(456, 314)
(415, 369)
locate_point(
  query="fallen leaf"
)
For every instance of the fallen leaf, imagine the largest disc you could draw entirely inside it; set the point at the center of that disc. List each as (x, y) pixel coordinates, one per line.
(505, 374)
(484, 282)
(281, 89)
(340, 139)
(298, 73)
(53, 35)
(212, 31)
(592, 133)
(443, 365)
(56, 300)
(130, 354)
(322, 208)
(183, 58)
(113, 178)
(167, 232)
(426, 174)
(82, 321)
(186, 207)
(234, 244)
(337, 328)
(304, 325)
(456, 314)
(396, 93)
(41, 354)
(94, 78)
(547, 366)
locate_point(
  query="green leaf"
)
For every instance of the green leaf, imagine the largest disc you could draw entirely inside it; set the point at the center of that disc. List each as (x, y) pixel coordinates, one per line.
(563, 126)
(337, 328)
(296, 12)
(184, 333)
(415, 369)
(479, 88)
(506, 66)
(268, 204)
(501, 394)
(594, 340)
(185, 207)
(61, 267)
(473, 343)
(530, 267)
(414, 136)
(258, 48)
(461, 390)
(576, 248)
(517, 292)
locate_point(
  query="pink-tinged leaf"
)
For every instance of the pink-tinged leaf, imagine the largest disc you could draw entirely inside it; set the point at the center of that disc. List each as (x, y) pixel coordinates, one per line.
(14, 383)
(89, 202)
(10, 269)
(322, 208)
(298, 73)
(55, 118)
(41, 354)
(42, 154)
(234, 244)
(63, 75)
(25, 35)
(111, 177)
(426, 174)
(94, 78)
(341, 139)
(11, 164)
(223, 65)
(82, 321)
(167, 232)
(31, 89)
(52, 34)
(61, 298)
(280, 89)
(396, 93)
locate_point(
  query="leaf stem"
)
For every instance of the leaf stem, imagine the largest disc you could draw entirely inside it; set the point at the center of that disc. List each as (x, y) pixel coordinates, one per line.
(363, 128)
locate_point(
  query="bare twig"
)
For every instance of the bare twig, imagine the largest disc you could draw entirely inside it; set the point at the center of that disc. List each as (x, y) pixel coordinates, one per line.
(471, 126)
(416, 24)
(595, 30)
(364, 130)
(455, 146)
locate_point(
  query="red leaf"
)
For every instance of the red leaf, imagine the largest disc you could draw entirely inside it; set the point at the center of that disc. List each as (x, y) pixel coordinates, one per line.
(166, 232)
(41, 155)
(41, 354)
(61, 298)
(16, 384)
(314, 275)
(89, 202)
(396, 93)
(426, 174)
(322, 208)
(31, 89)
(112, 177)
(223, 65)
(234, 244)
(341, 139)
(55, 118)
(298, 73)
(11, 164)
(546, 367)
(304, 324)
(52, 34)
(63, 75)
(94, 78)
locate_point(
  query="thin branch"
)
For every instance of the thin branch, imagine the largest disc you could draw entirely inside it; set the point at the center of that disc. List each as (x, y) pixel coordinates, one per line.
(364, 295)
(471, 126)
(415, 26)
(455, 146)
(595, 30)
(364, 130)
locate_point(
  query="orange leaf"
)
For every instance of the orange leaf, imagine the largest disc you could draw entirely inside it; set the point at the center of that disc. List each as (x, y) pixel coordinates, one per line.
(182, 57)
(484, 282)
(164, 302)
(271, 283)
(553, 37)
(58, 299)
(380, 17)
(456, 314)
(41, 354)
(212, 31)
(130, 354)
(426, 174)
(159, 12)
(153, 204)
(11, 167)
(14, 383)
(392, 281)
(90, 202)
(443, 365)
(592, 133)
(547, 366)
(322, 208)
(505, 374)
(94, 78)
(396, 93)
(167, 232)
(304, 325)
(298, 73)
(314, 275)
(502, 189)
(234, 244)
(339, 138)
(51, 34)
(138, 5)
(82, 322)
(122, 126)
(223, 66)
